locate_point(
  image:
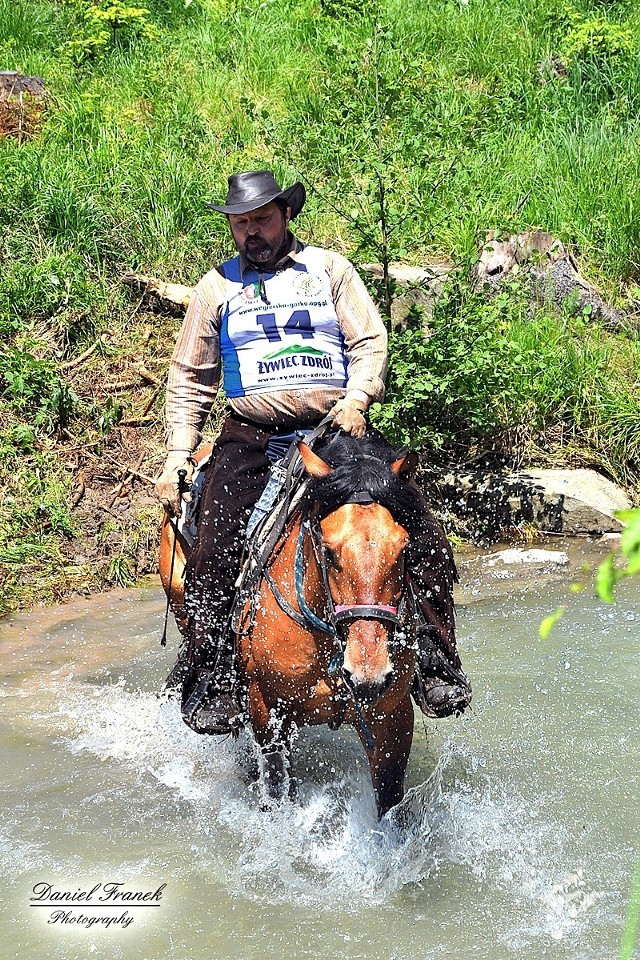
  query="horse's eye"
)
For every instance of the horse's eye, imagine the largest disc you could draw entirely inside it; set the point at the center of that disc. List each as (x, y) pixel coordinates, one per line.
(328, 554)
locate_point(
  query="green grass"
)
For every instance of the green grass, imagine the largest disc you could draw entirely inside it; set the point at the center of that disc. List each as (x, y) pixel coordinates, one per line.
(475, 117)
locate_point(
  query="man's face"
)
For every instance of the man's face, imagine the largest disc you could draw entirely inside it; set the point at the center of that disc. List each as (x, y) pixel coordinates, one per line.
(261, 235)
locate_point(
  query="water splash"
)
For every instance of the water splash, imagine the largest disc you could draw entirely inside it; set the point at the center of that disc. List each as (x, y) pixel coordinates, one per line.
(329, 847)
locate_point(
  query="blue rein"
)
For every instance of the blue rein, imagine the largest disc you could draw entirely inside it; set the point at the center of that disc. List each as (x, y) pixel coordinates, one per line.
(298, 574)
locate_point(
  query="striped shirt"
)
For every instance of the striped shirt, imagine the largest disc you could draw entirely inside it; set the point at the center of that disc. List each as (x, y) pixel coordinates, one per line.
(194, 371)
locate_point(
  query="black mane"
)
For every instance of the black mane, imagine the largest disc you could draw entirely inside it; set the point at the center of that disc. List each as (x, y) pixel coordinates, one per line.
(363, 465)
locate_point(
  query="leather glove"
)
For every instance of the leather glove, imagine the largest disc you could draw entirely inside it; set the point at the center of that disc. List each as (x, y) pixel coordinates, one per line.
(349, 416)
(167, 484)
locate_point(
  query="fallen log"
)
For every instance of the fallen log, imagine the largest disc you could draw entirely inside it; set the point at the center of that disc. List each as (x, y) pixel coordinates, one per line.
(550, 269)
(172, 297)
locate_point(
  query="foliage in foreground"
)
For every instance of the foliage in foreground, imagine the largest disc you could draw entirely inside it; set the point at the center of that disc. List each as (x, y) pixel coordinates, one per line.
(622, 562)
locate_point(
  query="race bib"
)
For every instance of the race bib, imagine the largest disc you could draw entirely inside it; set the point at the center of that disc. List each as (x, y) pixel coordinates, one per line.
(292, 342)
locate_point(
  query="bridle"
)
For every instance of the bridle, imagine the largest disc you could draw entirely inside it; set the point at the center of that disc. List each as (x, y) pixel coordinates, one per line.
(336, 616)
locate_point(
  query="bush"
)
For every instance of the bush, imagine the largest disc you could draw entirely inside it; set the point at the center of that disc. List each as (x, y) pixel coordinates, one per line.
(34, 389)
(494, 377)
(101, 24)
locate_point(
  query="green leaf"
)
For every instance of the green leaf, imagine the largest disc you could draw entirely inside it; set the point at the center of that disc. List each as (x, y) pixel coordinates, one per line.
(630, 540)
(549, 623)
(630, 932)
(605, 579)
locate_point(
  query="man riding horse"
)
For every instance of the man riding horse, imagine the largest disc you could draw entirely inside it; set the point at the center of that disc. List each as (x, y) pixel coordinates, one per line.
(298, 337)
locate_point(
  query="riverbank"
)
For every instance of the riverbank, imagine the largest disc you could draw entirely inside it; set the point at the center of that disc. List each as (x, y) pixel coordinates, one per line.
(484, 573)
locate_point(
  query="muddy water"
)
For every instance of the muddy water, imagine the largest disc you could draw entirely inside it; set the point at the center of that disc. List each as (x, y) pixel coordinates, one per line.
(516, 838)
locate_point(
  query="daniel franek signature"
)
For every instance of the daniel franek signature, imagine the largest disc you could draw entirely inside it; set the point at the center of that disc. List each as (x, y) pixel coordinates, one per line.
(107, 904)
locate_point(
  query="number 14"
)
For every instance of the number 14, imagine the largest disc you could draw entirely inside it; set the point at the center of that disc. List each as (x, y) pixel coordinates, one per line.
(298, 323)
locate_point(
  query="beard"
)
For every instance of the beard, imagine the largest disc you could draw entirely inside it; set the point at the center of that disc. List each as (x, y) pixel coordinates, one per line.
(258, 250)
(261, 253)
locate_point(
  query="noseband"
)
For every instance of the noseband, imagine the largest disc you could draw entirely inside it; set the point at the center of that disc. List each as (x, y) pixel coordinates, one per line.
(366, 611)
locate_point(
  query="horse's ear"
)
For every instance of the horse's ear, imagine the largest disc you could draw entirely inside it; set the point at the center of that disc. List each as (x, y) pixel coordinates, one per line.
(406, 464)
(314, 466)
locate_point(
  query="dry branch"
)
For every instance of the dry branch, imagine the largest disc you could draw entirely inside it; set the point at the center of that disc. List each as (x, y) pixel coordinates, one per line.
(148, 376)
(129, 474)
(173, 297)
(76, 361)
(78, 495)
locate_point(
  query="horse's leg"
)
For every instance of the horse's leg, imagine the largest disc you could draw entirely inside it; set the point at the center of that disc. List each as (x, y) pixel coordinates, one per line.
(392, 736)
(273, 741)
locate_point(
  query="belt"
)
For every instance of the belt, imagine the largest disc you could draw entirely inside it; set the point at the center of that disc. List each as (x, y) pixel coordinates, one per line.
(279, 432)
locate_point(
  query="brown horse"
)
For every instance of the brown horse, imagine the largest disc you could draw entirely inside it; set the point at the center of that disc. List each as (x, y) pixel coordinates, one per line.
(329, 635)
(348, 656)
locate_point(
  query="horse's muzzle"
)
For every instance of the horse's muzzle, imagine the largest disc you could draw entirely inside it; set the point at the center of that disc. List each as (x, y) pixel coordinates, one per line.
(367, 691)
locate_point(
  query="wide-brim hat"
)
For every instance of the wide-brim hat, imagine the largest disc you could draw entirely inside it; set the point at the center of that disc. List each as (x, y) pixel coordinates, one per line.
(256, 188)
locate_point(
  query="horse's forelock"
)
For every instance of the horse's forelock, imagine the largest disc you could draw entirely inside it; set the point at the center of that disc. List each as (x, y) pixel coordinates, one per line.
(363, 465)
(340, 449)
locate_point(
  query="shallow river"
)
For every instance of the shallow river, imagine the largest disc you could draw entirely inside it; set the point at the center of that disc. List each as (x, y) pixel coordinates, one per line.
(515, 840)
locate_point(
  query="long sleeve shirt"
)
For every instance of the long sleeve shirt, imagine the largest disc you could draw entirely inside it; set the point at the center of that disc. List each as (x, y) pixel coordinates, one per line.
(194, 371)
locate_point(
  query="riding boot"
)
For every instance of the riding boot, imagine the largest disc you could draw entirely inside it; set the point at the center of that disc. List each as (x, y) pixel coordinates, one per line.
(210, 696)
(440, 686)
(235, 479)
(215, 714)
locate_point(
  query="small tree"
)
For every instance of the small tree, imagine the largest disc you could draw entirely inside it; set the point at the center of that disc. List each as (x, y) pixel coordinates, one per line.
(369, 121)
(100, 23)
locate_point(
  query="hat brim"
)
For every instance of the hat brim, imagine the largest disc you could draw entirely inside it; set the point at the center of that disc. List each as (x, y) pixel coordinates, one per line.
(295, 197)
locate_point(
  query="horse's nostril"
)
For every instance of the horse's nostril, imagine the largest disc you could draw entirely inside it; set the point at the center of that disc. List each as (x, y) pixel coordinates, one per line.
(367, 692)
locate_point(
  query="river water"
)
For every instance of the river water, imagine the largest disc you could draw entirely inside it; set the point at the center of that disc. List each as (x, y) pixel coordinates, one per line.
(516, 838)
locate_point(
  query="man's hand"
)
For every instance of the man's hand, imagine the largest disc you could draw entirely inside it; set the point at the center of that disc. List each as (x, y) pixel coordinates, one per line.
(349, 416)
(167, 490)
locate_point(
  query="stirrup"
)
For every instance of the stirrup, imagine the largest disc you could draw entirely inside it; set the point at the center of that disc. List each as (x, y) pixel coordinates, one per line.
(197, 695)
(438, 698)
(198, 710)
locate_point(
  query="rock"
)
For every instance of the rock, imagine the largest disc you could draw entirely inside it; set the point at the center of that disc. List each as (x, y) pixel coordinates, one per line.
(420, 287)
(554, 501)
(519, 555)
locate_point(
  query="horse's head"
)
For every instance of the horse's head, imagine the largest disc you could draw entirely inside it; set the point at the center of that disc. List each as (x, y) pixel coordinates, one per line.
(363, 549)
